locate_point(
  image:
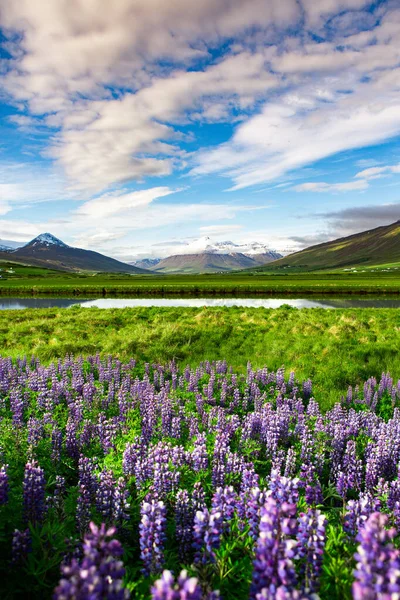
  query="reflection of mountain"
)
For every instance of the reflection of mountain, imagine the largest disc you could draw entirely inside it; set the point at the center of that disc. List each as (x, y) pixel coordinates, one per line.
(378, 246)
(48, 251)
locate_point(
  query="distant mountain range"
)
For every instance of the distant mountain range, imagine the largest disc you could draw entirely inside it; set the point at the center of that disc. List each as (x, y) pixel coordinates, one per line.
(373, 247)
(48, 251)
(205, 256)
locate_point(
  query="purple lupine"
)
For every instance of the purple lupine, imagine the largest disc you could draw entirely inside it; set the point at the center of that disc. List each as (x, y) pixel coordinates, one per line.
(120, 503)
(17, 406)
(312, 487)
(152, 531)
(358, 511)
(311, 536)
(56, 444)
(275, 550)
(284, 489)
(4, 485)
(56, 501)
(350, 475)
(71, 438)
(185, 588)
(199, 457)
(87, 477)
(377, 573)
(100, 574)
(21, 546)
(198, 497)
(207, 530)
(255, 499)
(34, 493)
(184, 516)
(224, 501)
(105, 495)
(83, 509)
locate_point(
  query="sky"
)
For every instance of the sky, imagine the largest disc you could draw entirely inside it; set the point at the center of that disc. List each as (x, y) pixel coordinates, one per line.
(134, 127)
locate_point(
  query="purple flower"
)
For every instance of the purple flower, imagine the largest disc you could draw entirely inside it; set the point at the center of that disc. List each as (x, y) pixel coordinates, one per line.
(152, 535)
(207, 530)
(4, 486)
(184, 515)
(311, 537)
(377, 571)
(99, 575)
(184, 588)
(275, 550)
(21, 546)
(34, 493)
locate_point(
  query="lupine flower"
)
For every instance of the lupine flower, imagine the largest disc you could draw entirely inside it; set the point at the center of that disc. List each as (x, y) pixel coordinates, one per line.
(99, 575)
(4, 487)
(185, 588)
(311, 537)
(152, 536)
(21, 546)
(34, 493)
(207, 530)
(184, 515)
(377, 571)
(275, 550)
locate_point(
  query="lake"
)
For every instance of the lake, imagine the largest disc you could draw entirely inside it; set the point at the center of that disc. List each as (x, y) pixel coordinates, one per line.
(326, 302)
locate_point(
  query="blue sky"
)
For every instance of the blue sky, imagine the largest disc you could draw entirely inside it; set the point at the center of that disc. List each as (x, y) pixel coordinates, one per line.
(135, 127)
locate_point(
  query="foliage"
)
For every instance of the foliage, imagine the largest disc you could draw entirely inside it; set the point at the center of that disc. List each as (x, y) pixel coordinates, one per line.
(236, 481)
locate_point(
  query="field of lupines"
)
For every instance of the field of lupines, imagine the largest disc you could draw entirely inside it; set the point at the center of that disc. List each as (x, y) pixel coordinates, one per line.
(147, 481)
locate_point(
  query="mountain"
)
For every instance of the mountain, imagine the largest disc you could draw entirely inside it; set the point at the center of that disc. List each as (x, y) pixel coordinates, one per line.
(6, 245)
(146, 263)
(48, 251)
(209, 262)
(373, 247)
(205, 256)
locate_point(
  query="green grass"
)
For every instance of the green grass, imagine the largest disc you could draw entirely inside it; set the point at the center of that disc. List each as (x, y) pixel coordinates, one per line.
(27, 281)
(335, 348)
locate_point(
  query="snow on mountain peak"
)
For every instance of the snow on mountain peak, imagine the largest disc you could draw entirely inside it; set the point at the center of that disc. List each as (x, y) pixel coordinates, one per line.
(47, 239)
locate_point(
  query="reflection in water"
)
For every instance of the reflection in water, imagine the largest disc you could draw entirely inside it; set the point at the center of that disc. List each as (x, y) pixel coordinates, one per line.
(326, 302)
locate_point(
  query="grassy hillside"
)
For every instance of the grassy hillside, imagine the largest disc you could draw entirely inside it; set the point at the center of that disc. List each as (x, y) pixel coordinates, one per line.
(336, 348)
(378, 246)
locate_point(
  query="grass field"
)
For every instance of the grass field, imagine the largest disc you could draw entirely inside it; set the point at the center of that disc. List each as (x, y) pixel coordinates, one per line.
(26, 281)
(336, 348)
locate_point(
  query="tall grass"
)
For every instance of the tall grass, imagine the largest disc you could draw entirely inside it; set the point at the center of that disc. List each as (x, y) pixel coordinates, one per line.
(335, 348)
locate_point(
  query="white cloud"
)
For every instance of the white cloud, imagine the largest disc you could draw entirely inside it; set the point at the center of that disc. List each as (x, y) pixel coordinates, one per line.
(220, 229)
(113, 204)
(377, 172)
(347, 186)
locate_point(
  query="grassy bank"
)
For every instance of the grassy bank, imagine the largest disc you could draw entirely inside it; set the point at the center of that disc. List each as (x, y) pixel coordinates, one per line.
(18, 280)
(335, 348)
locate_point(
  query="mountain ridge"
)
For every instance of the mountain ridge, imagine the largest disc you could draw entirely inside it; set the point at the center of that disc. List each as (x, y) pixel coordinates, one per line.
(376, 246)
(47, 251)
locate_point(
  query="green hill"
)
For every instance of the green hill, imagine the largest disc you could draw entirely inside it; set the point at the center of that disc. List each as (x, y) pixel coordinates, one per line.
(378, 246)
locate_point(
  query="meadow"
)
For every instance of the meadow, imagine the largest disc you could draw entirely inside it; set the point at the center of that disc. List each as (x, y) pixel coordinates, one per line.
(26, 281)
(125, 479)
(336, 348)
(199, 453)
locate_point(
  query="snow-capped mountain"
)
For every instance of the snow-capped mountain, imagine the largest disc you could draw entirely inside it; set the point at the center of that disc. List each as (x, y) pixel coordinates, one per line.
(46, 239)
(8, 245)
(145, 263)
(206, 244)
(206, 256)
(47, 251)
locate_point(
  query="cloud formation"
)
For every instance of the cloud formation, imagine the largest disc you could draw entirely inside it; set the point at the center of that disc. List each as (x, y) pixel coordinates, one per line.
(122, 78)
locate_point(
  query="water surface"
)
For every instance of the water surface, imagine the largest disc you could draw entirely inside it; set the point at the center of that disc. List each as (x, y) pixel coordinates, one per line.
(325, 302)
